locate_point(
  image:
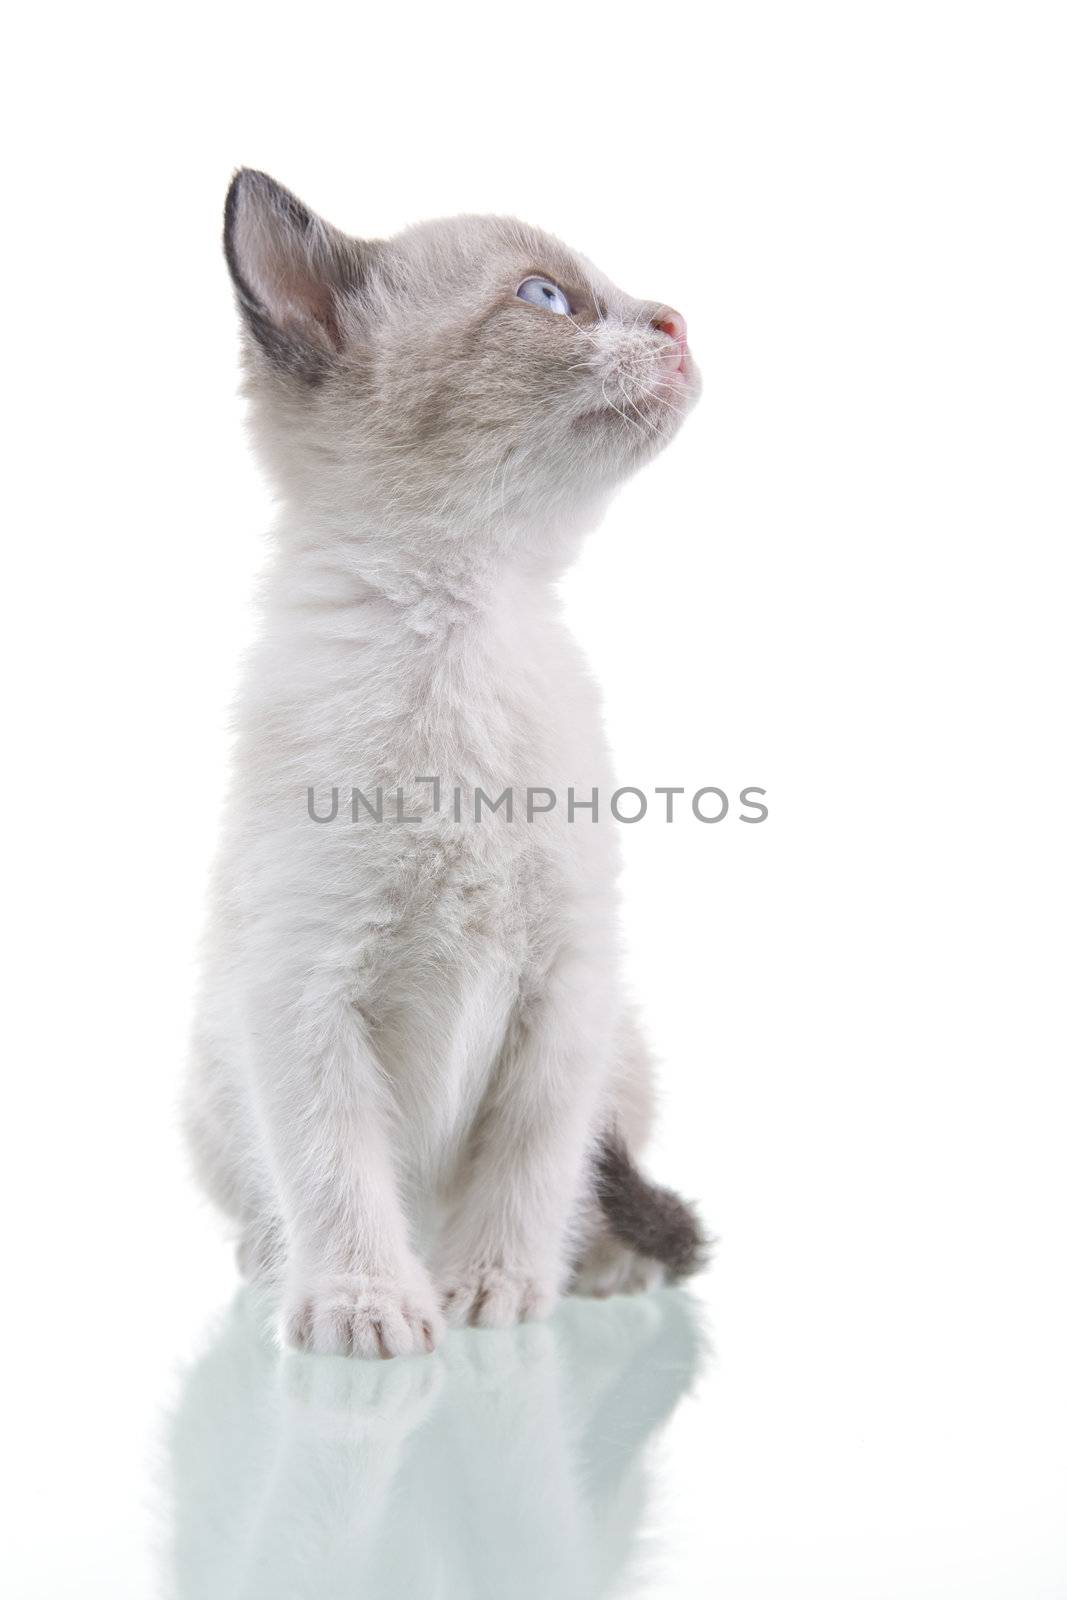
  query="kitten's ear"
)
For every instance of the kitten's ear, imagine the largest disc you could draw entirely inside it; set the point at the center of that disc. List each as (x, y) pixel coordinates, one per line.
(293, 273)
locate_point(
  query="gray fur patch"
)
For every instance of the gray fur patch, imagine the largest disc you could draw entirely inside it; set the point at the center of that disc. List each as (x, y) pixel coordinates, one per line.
(652, 1220)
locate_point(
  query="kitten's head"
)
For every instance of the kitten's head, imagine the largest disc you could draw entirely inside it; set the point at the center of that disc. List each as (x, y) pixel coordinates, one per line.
(473, 368)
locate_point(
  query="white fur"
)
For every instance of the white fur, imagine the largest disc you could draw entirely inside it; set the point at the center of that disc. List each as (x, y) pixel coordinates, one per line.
(411, 1033)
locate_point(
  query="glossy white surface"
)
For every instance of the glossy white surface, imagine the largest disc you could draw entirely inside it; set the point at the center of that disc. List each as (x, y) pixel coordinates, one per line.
(878, 1434)
(844, 583)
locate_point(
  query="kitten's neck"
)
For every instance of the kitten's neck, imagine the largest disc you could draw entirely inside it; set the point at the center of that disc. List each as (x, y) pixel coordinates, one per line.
(349, 585)
(430, 579)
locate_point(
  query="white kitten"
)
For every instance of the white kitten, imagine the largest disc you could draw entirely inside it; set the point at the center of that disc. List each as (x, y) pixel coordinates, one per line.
(416, 1085)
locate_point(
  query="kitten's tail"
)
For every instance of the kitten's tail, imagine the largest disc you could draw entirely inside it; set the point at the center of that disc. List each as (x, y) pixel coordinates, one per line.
(652, 1220)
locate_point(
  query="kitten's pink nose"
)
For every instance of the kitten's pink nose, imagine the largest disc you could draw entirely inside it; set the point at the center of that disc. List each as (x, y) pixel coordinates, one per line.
(672, 323)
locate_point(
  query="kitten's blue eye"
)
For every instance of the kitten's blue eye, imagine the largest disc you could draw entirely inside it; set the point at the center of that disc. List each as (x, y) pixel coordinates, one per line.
(540, 292)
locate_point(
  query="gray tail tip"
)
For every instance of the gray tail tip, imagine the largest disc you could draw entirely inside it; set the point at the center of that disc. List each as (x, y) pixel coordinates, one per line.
(652, 1220)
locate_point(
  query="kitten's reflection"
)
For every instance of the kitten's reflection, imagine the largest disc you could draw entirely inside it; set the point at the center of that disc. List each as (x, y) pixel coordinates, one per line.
(507, 1466)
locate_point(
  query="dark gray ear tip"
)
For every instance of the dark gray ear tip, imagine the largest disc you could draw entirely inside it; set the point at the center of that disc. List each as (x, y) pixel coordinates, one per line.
(235, 195)
(233, 200)
(250, 187)
(249, 184)
(252, 180)
(246, 184)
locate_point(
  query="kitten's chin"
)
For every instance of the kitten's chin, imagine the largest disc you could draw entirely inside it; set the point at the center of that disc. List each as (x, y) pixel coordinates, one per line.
(642, 425)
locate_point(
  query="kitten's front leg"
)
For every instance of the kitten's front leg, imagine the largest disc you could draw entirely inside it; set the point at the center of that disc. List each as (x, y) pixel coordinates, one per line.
(353, 1285)
(504, 1257)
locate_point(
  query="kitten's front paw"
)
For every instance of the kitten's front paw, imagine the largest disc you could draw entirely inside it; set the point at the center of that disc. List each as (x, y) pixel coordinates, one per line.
(362, 1316)
(497, 1297)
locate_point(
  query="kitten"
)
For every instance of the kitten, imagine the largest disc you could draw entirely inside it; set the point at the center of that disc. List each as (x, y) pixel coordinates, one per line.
(417, 1088)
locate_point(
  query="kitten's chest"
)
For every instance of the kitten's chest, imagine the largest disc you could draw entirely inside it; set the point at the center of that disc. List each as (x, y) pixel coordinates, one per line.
(472, 932)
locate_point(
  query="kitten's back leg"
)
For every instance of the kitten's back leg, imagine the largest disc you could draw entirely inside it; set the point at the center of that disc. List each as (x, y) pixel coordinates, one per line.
(222, 1140)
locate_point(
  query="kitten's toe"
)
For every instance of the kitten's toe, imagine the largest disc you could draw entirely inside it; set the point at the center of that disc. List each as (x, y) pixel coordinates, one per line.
(363, 1316)
(497, 1297)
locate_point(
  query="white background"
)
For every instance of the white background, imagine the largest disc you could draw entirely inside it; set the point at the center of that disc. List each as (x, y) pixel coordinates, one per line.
(842, 583)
